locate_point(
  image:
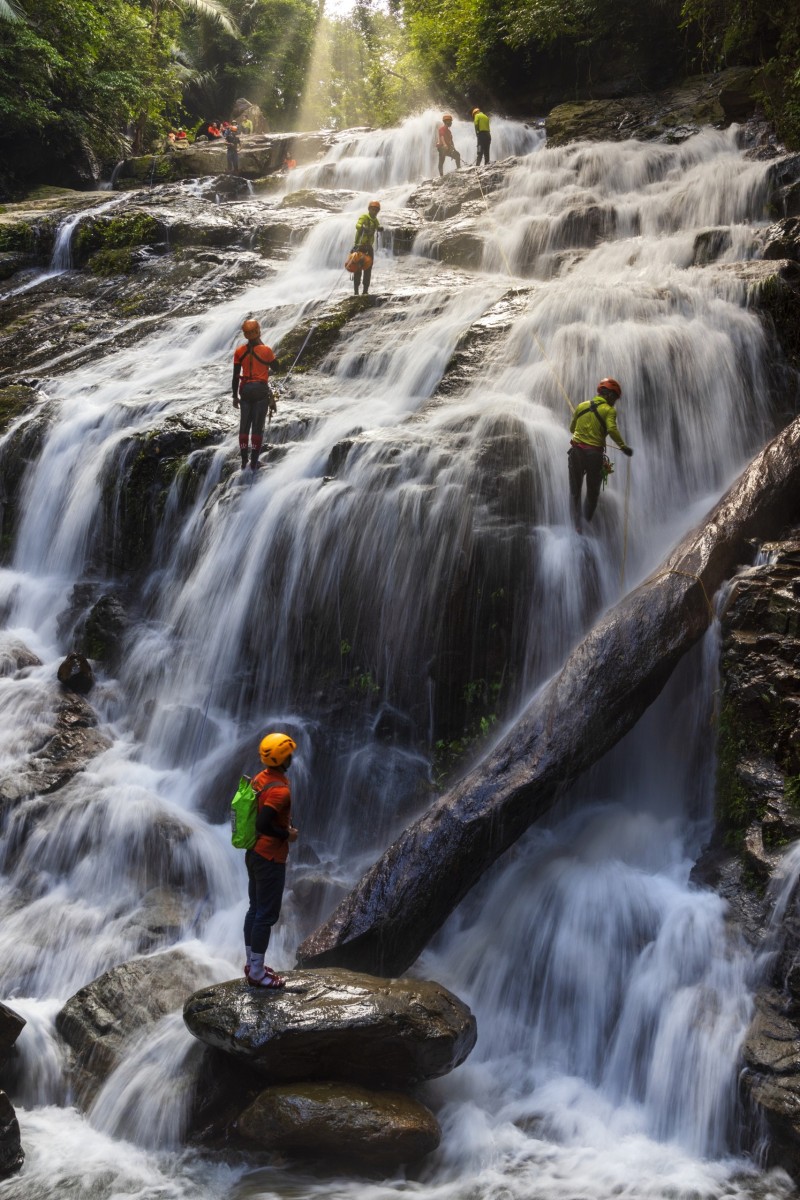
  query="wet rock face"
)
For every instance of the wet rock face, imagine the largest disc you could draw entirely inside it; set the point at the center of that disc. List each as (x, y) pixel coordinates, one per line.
(672, 115)
(12, 1155)
(758, 819)
(342, 1121)
(11, 1026)
(100, 1019)
(336, 1024)
(75, 674)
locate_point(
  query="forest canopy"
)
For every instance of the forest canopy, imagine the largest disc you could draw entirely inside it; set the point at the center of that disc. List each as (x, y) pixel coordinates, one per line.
(83, 82)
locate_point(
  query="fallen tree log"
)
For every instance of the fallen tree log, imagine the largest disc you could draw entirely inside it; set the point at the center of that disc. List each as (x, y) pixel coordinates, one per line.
(606, 683)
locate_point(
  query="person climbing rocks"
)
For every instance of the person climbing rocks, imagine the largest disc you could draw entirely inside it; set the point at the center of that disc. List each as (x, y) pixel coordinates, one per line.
(444, 143)
(367, 226)
(252, 394)
(592, 422)
(246, 126)
(231, 136)
(266, 862)
(482, 133)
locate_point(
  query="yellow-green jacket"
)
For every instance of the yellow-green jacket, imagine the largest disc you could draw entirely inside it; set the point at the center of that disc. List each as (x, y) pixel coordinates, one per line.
(366, 228)
(481, 122)
(587, 427)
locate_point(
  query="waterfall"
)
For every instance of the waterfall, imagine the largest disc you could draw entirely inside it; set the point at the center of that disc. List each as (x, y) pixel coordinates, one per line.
(408, 547)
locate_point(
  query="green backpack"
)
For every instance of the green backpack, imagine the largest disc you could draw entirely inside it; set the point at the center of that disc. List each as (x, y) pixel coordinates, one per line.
(244, 808)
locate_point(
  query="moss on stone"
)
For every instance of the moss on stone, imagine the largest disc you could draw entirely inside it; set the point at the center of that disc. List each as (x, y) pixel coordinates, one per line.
(14, 400)
(112, 262)
(17, 235)
(325, 335)
(736, 809)
(122, 232)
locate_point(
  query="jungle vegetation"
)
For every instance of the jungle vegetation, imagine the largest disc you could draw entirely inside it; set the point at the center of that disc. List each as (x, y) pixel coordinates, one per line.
(84, 81)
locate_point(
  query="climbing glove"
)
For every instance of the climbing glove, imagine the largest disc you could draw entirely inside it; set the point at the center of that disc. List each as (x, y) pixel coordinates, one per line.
(627, 450)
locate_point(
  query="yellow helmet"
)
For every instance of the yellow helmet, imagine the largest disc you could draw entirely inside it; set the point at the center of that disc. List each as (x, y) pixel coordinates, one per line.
(275, 748)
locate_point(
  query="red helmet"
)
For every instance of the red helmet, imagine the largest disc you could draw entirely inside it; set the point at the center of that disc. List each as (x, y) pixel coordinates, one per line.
(610, 385)
(374, 204)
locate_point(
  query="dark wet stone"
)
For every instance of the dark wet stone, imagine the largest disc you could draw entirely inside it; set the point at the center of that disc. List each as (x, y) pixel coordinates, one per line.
(11, 1026)
(12, 1155)
(103, 630)
(341, 1121)
(99, 1020)
(336, 1024)
(76, 674)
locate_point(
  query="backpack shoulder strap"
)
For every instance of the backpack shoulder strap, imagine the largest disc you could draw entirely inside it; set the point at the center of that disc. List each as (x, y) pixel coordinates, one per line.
(594, 409)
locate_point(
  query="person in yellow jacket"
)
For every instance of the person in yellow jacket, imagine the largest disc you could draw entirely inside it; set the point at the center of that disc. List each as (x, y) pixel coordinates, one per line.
(592, 422)
(367, 227)
(481, 122)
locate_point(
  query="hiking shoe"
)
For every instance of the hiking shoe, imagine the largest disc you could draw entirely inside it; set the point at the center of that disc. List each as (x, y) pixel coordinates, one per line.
(268, 980)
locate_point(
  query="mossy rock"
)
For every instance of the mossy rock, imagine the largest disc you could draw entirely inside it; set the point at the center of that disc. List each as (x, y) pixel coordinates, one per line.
(11, 261)
(112, 262)
(325, 335)
(17, 235)
(14, 400)
(116, 233)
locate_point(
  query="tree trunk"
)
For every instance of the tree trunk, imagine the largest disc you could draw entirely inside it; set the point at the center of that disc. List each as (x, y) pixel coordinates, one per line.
(606, 684)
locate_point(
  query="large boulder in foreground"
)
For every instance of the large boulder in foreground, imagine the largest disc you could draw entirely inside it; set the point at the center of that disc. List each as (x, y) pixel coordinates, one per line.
(11, 1152)
(337, 1024)
(102, 1017)
(340, 1120)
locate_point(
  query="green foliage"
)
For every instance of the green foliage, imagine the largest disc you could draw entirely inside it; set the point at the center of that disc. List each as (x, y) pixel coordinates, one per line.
(734, 32)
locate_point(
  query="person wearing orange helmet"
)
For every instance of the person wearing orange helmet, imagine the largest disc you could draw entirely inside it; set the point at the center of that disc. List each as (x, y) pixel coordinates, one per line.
(266, 862)
(367, 227)
(483, 134)
(251, 391)
(592, 422)
(444, 143)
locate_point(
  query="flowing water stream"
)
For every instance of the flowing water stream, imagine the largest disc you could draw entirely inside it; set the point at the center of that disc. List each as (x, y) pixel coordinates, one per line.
(611, 1000)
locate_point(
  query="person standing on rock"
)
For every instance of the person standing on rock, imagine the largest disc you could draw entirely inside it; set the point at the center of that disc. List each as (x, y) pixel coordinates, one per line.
(367, 226)
(266, 862)
(592, 422)
(483, 134)
(231, 136)
(444, 143)
(251, 391)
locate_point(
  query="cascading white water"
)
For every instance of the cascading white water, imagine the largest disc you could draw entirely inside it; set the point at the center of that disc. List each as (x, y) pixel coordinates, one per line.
(610, 1000)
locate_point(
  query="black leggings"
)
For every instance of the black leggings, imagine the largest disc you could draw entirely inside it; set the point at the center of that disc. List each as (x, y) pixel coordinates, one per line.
(367, 273)
(252, 416)
(484, 142)
(265, 882)
(582, 463)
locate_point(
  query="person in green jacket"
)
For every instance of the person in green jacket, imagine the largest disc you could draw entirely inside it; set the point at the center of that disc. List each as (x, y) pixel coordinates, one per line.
(483, 135)
(367, 226)
(592, 422)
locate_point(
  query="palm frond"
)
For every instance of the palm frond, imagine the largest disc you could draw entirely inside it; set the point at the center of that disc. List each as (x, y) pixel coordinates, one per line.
(214, 10)
(9, 11)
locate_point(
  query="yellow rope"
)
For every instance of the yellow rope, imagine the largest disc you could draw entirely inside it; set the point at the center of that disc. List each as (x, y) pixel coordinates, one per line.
(625, 528)
(689, 575)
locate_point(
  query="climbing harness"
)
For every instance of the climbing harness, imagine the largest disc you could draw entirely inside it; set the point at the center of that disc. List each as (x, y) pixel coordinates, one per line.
(608, 469)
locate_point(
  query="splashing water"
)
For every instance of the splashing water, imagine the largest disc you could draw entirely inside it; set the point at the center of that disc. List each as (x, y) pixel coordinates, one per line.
(408, 500)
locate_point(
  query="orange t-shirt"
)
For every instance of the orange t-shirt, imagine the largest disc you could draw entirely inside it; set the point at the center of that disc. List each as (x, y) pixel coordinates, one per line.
(278, 796)
(254, 359)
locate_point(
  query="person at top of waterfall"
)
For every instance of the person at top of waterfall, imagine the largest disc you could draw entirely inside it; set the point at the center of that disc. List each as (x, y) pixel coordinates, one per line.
(251, 391)
(592, 422)
(181, 136)
(214, 131)
(246, 125)
(444, 143)
(231, 137)
(266, 862)
(483, 134)
(367, 226)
